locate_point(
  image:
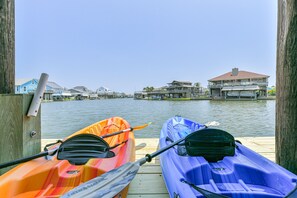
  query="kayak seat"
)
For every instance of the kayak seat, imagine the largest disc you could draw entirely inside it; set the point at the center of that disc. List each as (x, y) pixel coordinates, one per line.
(212, 144)
(80, 148)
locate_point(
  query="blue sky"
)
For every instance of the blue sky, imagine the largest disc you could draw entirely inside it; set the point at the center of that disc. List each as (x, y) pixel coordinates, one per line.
(130, 44)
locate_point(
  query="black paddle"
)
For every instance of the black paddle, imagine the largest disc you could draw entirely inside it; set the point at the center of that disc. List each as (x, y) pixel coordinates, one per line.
(26, 159)
(77, 150)
(111, 183)
(52, 152)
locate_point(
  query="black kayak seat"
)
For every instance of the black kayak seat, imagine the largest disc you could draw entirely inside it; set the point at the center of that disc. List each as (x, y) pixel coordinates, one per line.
(212, 144)
(80, 148)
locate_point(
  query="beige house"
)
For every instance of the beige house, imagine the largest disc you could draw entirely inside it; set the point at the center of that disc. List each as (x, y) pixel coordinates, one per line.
(238, 84)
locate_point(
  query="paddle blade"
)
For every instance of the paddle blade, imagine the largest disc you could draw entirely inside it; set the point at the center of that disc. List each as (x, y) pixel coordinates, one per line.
(142, 126)
(106, 185)
(212, 124)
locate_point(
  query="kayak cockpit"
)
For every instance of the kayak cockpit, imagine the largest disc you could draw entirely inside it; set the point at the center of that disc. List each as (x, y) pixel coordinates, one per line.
(230, 176)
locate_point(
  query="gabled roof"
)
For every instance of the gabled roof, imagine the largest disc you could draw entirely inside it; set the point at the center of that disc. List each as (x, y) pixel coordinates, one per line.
(53, 85)
(82, 88)
(75, 91)
(240, 75)
(178, 81)
(103, 89)
(23, 81)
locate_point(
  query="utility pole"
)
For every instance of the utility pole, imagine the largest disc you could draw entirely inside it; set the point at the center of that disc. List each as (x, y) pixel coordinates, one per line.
(286, 85)
(7, 46)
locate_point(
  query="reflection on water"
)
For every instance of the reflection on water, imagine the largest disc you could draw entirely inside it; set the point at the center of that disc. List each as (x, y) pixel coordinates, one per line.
(240, 118)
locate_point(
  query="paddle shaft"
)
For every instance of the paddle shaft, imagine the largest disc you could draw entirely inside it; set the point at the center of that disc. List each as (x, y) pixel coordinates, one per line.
(126, 130)
(117, 133)
(111, 183)
(25, 159)
(149, 157)
(45, 153)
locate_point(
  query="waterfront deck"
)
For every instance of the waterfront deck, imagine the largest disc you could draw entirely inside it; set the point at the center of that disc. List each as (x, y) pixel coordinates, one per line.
(149, 182)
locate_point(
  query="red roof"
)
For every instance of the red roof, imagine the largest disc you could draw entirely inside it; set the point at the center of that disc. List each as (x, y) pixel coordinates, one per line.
(239, 76)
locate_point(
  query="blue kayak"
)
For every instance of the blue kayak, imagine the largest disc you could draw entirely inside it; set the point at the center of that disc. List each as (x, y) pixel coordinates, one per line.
(210, 163)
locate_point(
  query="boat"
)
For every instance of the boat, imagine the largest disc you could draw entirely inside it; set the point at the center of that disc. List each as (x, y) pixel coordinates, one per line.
(54, 176)
(210, 163)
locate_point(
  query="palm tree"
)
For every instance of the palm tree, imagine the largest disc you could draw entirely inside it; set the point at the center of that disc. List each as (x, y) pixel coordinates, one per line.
(197, 84)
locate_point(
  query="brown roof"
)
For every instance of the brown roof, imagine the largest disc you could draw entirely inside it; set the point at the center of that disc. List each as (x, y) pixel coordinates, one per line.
(241, 75)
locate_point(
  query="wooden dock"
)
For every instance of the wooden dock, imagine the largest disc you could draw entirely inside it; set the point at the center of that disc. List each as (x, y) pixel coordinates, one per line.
(149, 182)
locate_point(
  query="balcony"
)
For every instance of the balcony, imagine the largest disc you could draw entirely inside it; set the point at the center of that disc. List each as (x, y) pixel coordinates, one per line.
(216, 86)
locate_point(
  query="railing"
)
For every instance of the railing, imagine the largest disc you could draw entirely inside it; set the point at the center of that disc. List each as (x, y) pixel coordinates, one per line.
(238, 84)
(179, 91)
(215, 86)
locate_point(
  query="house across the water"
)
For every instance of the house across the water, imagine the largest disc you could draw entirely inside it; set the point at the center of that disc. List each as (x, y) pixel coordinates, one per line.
(238, 84)
(174, 90)
(25, 86)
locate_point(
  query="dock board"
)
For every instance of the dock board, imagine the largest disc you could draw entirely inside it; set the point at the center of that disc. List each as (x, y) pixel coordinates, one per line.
(149, 182)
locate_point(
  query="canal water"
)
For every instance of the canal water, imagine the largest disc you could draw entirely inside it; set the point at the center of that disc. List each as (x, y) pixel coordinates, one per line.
(240, 118)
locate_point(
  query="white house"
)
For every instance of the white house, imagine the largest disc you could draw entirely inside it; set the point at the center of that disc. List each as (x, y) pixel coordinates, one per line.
(103, 90)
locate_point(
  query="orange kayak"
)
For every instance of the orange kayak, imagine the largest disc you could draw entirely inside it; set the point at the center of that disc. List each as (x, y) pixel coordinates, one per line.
(52, 177)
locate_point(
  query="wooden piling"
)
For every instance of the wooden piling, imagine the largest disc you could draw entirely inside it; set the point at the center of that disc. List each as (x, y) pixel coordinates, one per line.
(16, 128)
(7, 46)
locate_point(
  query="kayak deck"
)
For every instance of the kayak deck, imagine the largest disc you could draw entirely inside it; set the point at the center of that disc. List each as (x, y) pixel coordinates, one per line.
(211, 162)
(52, 177)
(149, 182)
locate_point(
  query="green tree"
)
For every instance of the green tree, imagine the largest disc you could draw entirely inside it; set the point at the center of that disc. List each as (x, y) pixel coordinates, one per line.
(197, 84)
(148, 89)
(272, 91)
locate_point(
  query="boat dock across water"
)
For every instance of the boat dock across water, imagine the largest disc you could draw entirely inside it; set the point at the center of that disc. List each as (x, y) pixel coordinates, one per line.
(149, 182)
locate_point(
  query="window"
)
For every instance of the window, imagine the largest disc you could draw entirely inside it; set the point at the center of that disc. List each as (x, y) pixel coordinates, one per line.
(24, 88)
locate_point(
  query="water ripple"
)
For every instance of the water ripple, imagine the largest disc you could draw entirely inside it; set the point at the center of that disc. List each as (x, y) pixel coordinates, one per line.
(240, 118)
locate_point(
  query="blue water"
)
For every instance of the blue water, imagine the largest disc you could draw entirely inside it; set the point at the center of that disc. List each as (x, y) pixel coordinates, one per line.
(240, 118)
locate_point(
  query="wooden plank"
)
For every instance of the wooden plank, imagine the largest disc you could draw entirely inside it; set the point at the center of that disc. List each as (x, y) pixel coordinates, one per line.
(31, 145)
(149, 142)
(150, 169)
(15, 128)
(10, 128)
(147, 184)
(7, 43)
(149, 196)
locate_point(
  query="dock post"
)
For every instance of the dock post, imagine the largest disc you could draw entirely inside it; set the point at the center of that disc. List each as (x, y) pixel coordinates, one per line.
(7, 46)
(286, 84)
(20, 135)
